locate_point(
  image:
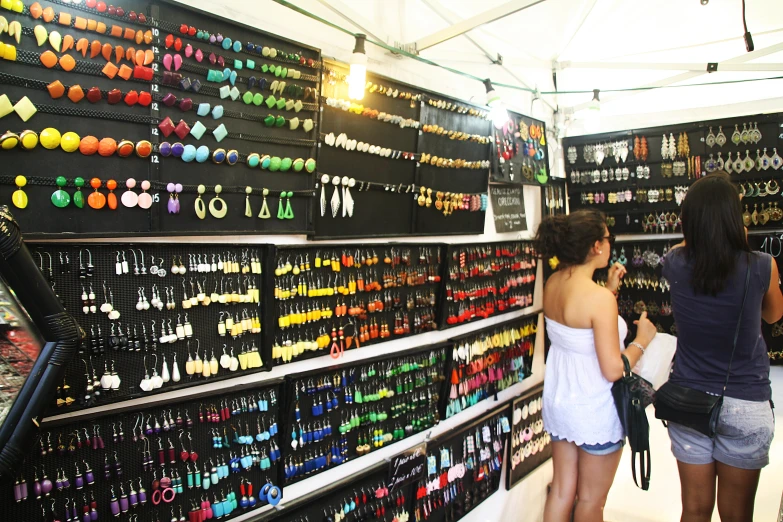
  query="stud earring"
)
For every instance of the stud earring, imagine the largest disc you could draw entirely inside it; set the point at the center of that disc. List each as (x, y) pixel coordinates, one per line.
(201, 210)
(218, 213)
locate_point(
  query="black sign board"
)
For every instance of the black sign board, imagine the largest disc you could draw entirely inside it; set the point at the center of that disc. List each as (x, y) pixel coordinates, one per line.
(508, 208)
(407, 467)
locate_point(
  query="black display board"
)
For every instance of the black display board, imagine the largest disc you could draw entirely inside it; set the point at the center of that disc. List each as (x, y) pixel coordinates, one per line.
(508, 208)
(333, 296)
(530, 444)
(386, 189)
(126, 343)
(128, 449)
(459, 477)
(488, 361)
(630, 216)
(553, 197)
(520, 153)
(173, 56)
(343, 412)
(363, 496)
(407, 467)
(486, 279)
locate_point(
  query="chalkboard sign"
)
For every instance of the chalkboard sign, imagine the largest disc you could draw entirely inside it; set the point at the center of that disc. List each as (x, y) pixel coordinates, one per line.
(508, 207)
(407, 467)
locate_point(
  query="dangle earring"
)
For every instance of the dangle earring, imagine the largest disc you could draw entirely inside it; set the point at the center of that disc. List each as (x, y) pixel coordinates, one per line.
(201, 209)
(164, 373)
(265, 214)
(213, 363)
(335, 203)
(190, 365)
(175, 376)
(248, 210)
(156, 380)
(324, 181)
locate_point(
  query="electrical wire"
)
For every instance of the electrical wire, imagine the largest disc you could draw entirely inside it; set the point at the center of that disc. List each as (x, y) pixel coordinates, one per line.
(416, 57)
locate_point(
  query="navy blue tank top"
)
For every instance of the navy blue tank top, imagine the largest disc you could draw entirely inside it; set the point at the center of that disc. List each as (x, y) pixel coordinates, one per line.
(706, 326)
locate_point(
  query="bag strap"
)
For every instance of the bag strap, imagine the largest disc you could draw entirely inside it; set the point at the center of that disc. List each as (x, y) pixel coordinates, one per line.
(645, 467)
(737, 331)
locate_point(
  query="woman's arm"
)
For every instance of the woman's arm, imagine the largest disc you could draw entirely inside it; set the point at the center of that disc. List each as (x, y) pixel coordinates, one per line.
(772, 304)
(607, 337)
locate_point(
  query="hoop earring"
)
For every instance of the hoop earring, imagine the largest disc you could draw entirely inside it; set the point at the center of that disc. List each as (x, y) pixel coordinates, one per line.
(218, 214)
(201, 210)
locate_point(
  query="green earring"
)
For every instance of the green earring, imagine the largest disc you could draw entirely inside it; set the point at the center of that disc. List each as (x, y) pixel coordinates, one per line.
(78, 196)
(265, 214)
(60, 198)
(289, 212)
(280, 211)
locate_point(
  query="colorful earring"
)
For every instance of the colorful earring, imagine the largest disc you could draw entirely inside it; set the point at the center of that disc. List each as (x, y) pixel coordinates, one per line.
(265, 214)
(78, 196)
(201, 210)
(61, 198)
(173, 204)
(129, 198)
(96, 199)
(248, 210)
(19, 197)
(218, 214)
(111, 198)
(145, 200)
(289, 212)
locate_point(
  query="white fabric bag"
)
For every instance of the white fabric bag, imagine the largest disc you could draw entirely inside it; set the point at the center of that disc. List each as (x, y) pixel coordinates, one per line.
(656, 363)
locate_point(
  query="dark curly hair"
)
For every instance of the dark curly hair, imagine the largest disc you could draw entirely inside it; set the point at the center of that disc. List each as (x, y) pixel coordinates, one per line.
(570, 237)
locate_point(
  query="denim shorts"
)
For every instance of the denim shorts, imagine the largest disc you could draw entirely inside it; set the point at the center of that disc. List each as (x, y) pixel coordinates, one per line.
(742, 440)
(605, 448)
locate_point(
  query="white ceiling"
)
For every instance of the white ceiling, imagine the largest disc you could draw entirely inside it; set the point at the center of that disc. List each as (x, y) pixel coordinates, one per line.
(571, 32)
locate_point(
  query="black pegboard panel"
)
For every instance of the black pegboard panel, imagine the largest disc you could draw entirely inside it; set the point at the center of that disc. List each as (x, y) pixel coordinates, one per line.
(448, 179)
(363, 407)
(531, 445)
(487, 279)
(103, 346)
(488, 361)
(405, 280)
(521, 142)
(129, 437)
(359, 497)
(376, 212)
(458, 478)
(162, 18)
(629, 216)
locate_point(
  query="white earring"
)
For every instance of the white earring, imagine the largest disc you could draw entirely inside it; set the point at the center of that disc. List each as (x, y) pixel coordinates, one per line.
(600, 251)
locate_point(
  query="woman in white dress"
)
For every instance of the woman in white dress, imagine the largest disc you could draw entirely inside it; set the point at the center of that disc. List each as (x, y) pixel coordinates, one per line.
(584, 360)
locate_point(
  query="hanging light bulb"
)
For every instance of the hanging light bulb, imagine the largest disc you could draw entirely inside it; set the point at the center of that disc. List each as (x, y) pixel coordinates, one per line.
(358, 75)
(593, 114)
(497, 112)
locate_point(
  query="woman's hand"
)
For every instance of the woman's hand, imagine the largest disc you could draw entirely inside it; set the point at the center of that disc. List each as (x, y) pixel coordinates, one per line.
(645, 330)
(616, 273)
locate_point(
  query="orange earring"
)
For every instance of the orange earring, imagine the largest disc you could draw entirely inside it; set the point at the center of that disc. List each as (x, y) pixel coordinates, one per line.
(112, 197)
(96, 199)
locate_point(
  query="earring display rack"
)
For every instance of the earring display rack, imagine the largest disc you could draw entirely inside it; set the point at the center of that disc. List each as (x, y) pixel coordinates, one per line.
(351, 410)
(530, 443)
(769, 243)
(490, 360)
(149, 320)
(463, 468)
(643, 289)
(520, 152)
(487, 279)
(334, 298)
(363, 497)
(189, 102)
(216, 454)
(553, 197)
(648, 197)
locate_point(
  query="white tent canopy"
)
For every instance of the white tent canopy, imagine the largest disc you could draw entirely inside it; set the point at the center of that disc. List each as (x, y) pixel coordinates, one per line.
(584, 44)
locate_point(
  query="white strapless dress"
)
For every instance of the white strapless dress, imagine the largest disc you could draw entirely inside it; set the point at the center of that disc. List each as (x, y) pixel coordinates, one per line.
(578, 403)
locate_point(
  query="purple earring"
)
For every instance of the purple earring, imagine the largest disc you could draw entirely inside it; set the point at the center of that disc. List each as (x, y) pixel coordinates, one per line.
(173, 204)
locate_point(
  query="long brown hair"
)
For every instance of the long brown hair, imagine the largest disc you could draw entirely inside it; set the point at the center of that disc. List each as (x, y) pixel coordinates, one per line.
(570, 237)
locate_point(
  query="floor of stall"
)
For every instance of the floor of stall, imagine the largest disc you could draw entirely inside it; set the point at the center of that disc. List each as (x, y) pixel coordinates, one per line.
(627, 503)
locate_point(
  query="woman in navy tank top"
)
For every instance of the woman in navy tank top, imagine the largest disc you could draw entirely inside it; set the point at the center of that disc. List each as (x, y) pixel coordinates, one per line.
(707, 273)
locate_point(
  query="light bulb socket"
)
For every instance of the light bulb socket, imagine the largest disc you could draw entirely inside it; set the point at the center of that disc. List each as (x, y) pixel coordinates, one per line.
(488, 86)
(359, 46)
(596, 95)
(493, 98)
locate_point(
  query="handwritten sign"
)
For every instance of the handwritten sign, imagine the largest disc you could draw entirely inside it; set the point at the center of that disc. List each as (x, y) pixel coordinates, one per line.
(508, 208)
(407, 467)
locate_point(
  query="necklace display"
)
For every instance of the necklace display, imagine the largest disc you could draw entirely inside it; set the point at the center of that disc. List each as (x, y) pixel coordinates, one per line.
(338, 415)
(349, 297)
(219, 454)
(168, 317)
(490, 361)
(463, 469)
(488, 279)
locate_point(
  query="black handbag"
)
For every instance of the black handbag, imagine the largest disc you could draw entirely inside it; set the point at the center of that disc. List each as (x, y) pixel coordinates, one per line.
(632, 394)
(696, 409)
